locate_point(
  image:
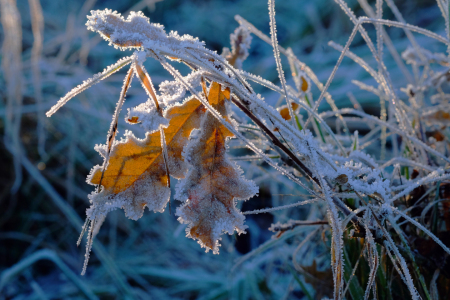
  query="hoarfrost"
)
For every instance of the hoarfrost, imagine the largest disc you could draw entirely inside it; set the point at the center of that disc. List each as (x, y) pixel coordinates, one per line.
(173, 92)
(213, 183)
(148, 116)
(147, 190)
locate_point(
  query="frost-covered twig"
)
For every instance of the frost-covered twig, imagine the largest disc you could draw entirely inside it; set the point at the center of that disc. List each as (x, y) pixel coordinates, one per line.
(90, 82)
(272, 209)
(291, 224)
(276, 51)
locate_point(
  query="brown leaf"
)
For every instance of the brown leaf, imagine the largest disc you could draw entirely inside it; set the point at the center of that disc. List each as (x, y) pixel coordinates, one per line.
(136, 173)
(133, 120)
(437, 135)
(213, 181)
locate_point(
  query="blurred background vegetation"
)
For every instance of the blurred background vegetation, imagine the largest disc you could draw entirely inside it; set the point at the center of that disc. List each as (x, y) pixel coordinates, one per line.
(46, 51)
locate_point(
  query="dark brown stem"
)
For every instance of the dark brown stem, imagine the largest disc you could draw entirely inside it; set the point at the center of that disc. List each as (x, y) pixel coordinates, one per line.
(274, 139)
(292, 158)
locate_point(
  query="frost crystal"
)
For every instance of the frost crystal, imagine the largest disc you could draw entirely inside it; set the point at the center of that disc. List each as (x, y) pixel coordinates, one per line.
(132, 32)
(213, 183)
(148, 116)
(240, 44)
(173, 92)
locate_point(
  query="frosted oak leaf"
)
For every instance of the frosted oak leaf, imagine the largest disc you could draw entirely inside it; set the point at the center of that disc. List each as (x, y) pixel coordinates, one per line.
(136, 175)
(213, 183)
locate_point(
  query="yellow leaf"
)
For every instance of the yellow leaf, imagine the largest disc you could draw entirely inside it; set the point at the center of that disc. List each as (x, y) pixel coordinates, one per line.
(213, 181)
(284, 111)
(305, 84)
(136, 176)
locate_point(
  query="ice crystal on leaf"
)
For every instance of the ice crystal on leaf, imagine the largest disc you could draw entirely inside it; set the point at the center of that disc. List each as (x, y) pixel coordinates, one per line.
(213, 182)
(240, 44)
(147, 115)
(136, 32)
(132, 32)
(173, 92)
(136, 176)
